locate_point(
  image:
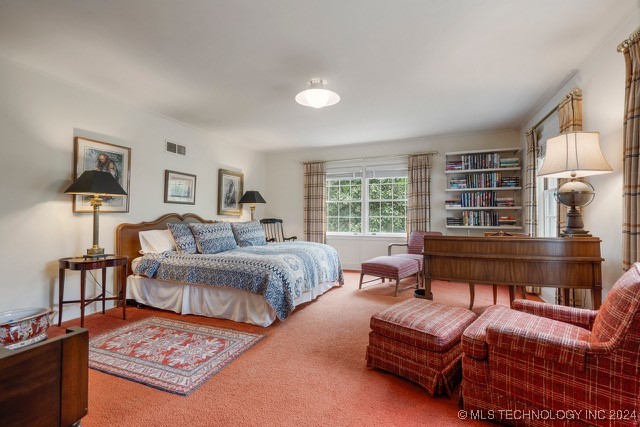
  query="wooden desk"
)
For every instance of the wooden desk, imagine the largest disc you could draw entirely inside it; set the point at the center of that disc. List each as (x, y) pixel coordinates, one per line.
(559, 262)
(46, 384)
(84, 264)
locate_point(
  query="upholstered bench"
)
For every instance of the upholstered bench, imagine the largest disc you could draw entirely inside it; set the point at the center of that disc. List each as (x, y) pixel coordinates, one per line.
(419, 340)
(391, 267)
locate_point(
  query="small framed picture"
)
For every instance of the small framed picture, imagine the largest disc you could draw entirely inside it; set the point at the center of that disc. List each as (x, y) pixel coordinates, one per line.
(179, 188)
(90, 154)
(230, 186)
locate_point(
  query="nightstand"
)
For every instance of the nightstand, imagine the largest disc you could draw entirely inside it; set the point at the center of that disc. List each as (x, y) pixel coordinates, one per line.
(84, 264)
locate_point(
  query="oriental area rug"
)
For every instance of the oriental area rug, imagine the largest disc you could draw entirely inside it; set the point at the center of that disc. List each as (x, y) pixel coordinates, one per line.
(169, 355)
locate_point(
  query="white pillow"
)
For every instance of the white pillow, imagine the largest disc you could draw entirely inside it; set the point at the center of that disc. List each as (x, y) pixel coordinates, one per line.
(156, 241)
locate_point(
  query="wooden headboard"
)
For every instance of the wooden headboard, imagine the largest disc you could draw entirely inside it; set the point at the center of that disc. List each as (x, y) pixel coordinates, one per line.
(128, 243)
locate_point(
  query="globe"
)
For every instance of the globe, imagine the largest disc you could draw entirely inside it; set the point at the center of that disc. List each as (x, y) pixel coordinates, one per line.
(575, 193)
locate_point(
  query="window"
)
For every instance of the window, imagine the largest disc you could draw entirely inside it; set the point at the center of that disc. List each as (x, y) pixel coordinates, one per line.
(375, 204)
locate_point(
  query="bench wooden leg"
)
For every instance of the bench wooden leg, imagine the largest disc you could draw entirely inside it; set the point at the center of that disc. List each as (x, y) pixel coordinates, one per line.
(472, 294)
(495, 294)
(361, 276)
(397, 283)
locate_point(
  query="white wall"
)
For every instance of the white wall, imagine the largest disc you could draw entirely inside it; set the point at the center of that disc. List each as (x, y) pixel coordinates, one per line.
(601, 77)
(39, 117)
(284, 192)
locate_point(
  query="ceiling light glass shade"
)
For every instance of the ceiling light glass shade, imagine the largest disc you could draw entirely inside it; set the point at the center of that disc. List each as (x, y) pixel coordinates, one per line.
(317, 96)
(574, 155)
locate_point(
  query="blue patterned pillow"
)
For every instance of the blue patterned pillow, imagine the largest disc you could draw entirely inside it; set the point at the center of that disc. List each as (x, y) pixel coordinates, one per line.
(249, 233)
(182, 235)
(213, 238)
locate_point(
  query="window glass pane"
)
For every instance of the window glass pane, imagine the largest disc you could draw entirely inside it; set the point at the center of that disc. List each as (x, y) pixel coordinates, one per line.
(332, 209)
(386, 225)
(386, 191)
(399, 225)
(343, 225)
(356, 210)
(374, 209)
(374, 225)
(374, 191)
(356, 191)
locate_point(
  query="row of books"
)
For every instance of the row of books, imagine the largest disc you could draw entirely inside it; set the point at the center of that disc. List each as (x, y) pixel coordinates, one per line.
(505, 202)
(484, 180)
(475, 218)
(510, 181)
(481, 199)
(510, 162)
(481, 161)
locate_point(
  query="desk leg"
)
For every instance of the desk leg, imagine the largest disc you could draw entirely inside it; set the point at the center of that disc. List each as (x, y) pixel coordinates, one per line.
(566, 297)
(60, 293)
(427, 287)
(104, 284)
(83, 281)
(472, 294)
(596, 298)
(123, 289)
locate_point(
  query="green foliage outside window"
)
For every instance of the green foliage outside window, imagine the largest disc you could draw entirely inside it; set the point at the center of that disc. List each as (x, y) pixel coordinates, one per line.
(386, 203)
(344, 205)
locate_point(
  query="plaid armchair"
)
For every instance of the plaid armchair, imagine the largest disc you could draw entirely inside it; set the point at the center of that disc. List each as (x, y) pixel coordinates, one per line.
(538, 364)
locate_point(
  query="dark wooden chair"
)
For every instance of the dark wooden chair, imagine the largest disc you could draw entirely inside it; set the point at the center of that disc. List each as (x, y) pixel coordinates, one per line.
(274, 232)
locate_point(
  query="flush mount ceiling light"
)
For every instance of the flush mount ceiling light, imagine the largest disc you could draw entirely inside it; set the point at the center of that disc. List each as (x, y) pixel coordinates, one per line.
(317, 96)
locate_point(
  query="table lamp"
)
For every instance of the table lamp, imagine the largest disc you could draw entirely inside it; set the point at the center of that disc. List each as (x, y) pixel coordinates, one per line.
(573, 155)
(251, 197)
(96, 184)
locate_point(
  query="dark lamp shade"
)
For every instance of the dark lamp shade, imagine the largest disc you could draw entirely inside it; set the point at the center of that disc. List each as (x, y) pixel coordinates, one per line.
(96, 182)
(252, 197)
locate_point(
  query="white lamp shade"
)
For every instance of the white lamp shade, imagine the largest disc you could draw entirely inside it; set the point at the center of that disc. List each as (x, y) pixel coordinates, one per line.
(573, 155)
(317, 96)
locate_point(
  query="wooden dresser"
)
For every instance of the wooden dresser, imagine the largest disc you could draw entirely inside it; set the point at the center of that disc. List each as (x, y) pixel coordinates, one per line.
(46, 384)
(567, 263)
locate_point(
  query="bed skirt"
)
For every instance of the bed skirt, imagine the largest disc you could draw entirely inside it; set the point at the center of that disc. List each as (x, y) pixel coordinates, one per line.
(210, 301)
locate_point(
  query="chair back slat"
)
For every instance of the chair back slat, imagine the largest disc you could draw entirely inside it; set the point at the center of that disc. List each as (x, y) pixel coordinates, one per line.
(274, 231)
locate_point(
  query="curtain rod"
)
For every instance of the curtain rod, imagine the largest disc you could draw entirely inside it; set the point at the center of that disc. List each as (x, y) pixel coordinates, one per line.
(574, 92)
(626, 43)
(429, 153)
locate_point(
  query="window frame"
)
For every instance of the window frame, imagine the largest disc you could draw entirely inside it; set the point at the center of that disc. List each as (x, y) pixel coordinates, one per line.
(364, 168)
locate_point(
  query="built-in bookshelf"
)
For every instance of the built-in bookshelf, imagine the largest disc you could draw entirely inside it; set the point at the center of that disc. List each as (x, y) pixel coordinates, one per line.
(484, 189)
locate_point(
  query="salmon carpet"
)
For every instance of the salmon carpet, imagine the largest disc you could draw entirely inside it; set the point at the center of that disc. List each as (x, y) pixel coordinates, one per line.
(309, 370)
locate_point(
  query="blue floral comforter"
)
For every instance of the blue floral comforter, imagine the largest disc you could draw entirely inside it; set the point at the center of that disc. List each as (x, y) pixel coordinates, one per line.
(279, 271)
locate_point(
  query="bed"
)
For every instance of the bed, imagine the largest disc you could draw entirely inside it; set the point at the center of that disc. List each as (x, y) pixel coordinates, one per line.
(255, 285)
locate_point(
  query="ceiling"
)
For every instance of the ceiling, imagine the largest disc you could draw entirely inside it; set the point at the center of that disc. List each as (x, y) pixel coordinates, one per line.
(403, 68)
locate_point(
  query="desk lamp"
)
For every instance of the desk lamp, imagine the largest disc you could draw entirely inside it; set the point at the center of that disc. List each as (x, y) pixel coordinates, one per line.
(96, 184)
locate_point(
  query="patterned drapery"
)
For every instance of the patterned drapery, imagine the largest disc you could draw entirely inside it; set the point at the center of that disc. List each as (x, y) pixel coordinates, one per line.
(531, 169)
(419, 197)
(631, 135)
(315, 202)
(570, 120)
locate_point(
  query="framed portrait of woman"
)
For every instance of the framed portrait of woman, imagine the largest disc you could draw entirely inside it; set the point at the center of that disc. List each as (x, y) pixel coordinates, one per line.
(230, 188)
(90, 154)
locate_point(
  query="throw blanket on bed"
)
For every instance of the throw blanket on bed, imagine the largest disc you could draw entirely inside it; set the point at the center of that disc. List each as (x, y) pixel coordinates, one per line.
(279, 271)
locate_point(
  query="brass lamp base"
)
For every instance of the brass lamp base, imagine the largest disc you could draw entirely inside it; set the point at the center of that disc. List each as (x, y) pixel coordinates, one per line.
(95, 252)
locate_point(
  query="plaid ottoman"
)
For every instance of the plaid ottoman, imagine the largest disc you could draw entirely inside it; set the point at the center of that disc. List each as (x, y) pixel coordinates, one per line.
(420, 340)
